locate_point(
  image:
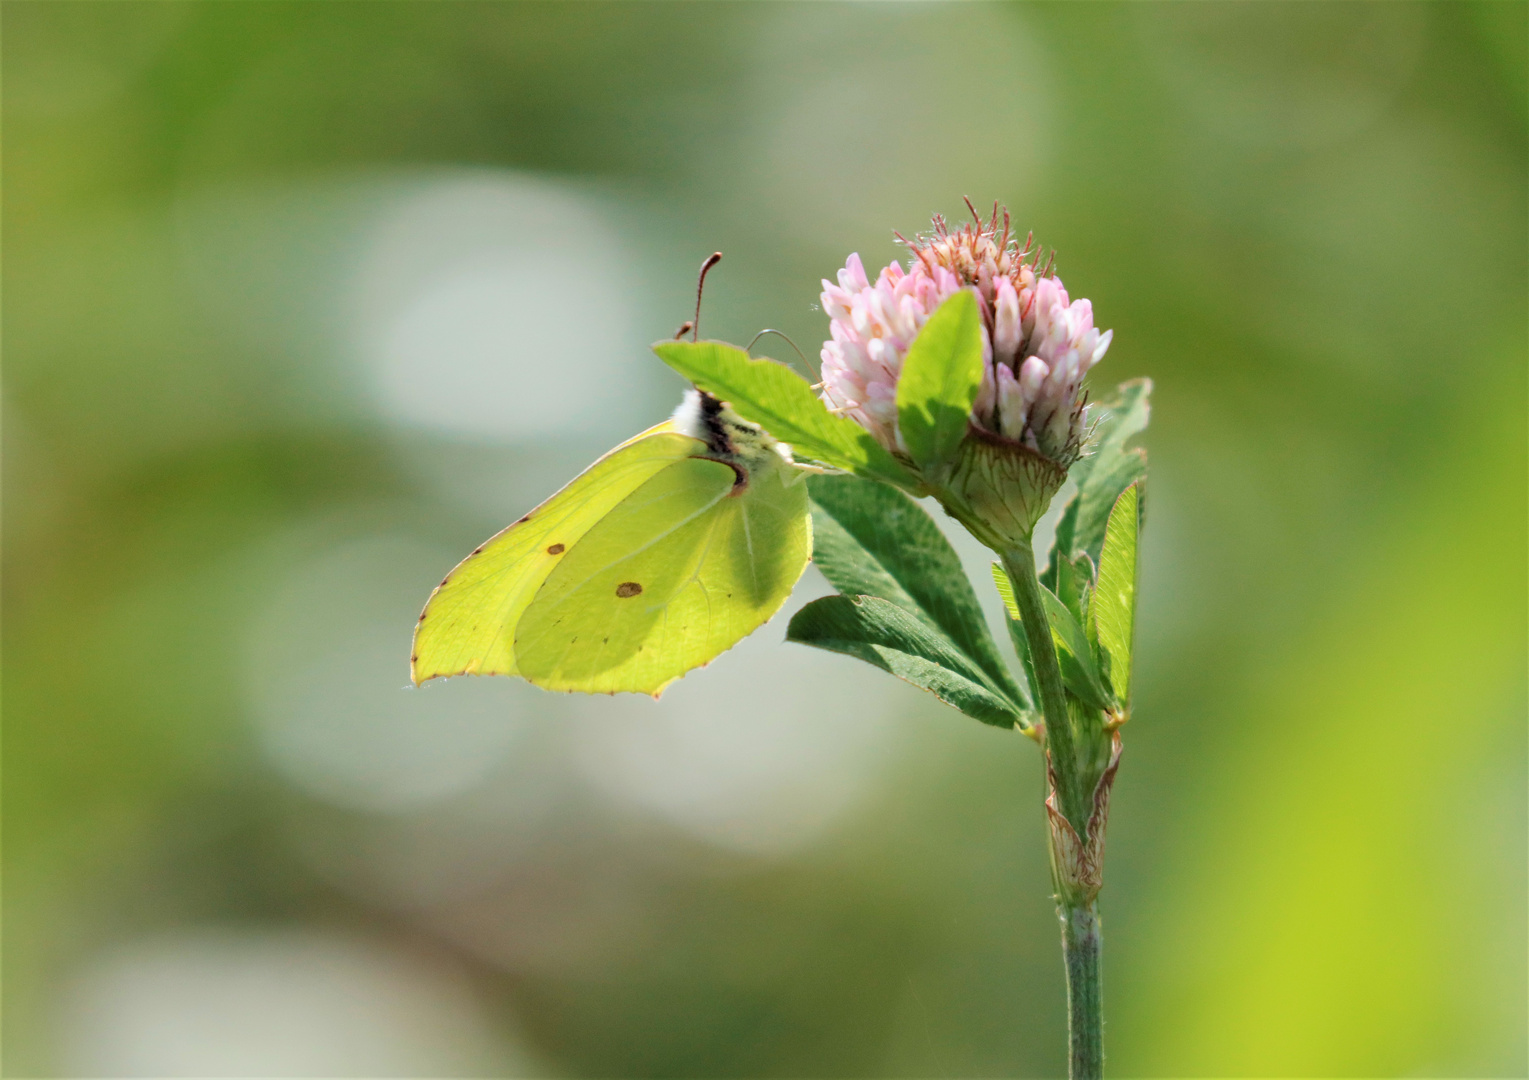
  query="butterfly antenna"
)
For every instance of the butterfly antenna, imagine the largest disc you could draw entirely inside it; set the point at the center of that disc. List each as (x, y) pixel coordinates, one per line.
(695, 324)
(685, 328)
(782, 335)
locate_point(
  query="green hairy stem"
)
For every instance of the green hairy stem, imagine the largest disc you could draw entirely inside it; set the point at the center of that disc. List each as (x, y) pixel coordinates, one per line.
(1081, 941)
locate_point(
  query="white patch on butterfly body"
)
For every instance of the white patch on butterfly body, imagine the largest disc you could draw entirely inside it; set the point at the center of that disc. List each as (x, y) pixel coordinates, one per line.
(687, 416)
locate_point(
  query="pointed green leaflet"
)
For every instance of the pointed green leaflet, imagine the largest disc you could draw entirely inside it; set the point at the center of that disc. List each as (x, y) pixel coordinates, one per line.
(1101, 475)
(871, 540)
(1114, 605)
(883, 634)
(939, 381)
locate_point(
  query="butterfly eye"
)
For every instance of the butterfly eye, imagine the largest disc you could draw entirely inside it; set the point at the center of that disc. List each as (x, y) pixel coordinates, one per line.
(628, 588)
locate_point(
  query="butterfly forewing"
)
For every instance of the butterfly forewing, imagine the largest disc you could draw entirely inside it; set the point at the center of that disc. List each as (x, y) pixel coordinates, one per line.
(468, 626)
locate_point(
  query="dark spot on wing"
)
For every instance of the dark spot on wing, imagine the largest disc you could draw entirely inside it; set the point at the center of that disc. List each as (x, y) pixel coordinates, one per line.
(628, 588)
(523, 520)
(556, 549)
(477, 549)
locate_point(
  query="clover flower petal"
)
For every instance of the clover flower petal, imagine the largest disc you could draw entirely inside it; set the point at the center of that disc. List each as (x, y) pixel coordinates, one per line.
(1038, 343)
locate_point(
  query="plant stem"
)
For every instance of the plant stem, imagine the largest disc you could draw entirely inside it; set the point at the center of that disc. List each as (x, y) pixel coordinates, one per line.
(1080, 921)
(1081, 942)
(1019, 563)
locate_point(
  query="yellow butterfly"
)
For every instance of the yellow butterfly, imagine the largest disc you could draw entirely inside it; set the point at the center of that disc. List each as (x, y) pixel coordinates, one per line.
(661, 555)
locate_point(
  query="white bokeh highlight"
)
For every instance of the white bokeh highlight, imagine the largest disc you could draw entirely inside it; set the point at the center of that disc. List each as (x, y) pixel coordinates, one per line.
(277, 1003)
(501, 307)
(328, 685)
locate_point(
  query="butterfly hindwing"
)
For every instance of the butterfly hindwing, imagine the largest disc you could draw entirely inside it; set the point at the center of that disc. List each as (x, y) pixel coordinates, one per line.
(682, 569)
(468, 626)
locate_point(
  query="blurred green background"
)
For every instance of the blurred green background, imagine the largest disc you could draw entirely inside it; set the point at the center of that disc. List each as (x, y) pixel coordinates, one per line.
(302, 301)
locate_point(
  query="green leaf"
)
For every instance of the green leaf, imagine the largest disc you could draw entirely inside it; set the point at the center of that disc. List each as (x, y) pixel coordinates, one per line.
(871, 540)
(1016, 628)
(1103, 474)
(939, 380)
(883, 634)
(1114, 607)
(1080, 673)
(1074, 585)
(1006, 591)
(1076, 656)
(780, 401)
